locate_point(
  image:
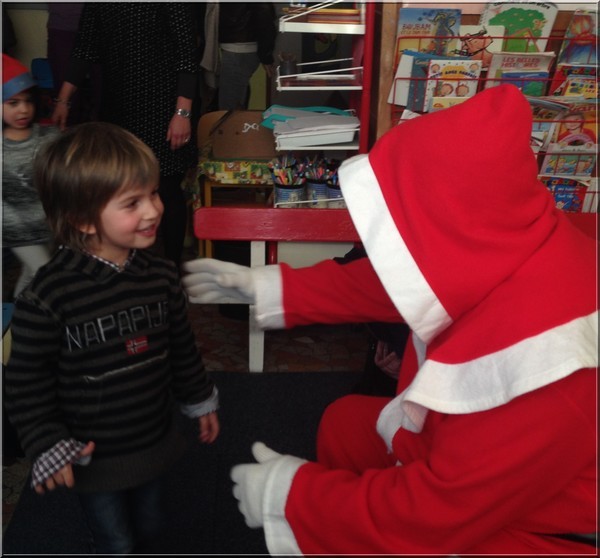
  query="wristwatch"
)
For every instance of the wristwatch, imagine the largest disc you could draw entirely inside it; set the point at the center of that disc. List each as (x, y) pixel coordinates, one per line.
(183, 112)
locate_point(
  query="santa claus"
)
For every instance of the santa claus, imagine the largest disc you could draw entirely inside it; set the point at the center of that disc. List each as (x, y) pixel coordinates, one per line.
(489, 446)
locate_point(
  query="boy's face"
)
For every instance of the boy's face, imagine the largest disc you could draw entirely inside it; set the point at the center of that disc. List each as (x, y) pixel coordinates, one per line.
(129, 220)
(18, 111)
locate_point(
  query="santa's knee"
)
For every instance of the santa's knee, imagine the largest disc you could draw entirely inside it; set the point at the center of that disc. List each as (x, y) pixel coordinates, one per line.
(347, 436)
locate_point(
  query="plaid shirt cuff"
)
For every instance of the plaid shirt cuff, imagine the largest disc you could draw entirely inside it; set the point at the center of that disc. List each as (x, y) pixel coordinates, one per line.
(53, 460)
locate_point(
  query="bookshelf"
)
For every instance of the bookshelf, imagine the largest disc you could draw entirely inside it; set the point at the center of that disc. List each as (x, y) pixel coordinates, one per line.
(388, 114)
(354, 73)
(324, 17)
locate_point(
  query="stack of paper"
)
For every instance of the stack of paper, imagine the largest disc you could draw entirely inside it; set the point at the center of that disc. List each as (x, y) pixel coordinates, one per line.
(308, 131)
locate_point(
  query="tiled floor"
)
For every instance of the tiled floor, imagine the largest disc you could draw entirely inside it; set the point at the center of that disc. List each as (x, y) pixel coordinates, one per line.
(223, 342)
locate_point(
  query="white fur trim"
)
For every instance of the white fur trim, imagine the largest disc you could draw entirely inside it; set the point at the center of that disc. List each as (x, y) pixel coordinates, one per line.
(494, 379)
(278, 533)
(413, 297)
(269, 297)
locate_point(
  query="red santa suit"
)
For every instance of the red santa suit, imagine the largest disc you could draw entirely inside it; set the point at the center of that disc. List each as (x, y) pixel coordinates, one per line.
(490, 445)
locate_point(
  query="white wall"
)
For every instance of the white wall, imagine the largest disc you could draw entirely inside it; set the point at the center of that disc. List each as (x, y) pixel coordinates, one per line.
(30, 29)
(300, 254)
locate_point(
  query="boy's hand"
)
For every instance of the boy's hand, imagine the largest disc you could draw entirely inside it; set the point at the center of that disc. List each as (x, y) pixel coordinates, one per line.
(209, 428)
(64, 476)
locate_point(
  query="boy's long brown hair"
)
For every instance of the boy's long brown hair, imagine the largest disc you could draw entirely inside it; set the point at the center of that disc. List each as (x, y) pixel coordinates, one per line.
(79, 172)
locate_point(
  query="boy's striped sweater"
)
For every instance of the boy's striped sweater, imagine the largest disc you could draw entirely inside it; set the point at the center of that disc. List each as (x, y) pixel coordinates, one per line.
(101, 355)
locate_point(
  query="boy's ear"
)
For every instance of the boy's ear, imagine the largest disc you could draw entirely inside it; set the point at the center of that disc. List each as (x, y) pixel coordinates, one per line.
(87, 229)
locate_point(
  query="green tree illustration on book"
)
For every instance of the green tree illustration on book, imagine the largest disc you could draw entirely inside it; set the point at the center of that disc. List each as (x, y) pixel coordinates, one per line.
(527, 28)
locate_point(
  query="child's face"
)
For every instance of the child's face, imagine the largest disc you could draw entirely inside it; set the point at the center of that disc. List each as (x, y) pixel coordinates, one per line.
(129, 220)
(18, 111)
(573, 122)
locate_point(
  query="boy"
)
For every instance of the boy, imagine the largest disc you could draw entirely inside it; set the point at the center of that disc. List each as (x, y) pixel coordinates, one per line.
(101, 340)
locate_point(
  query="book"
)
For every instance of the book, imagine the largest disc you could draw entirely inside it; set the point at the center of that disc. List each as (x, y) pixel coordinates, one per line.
(401, 83)
(453, 77)
(517, 62)
(429, 30)
(570, 72)
(528, 24)
(530, 83)
(580, 42)
(569, 193)
(478, 42)
(572, 149)
(581, 86)
(408, 115)
(440, 103)
(590, 202)
(546, 114)
(578, 127)
(409, 84)
(568, 162)
(418, 82)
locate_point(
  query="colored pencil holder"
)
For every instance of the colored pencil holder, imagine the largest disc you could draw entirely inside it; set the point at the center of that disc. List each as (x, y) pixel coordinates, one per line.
(317, 192)
(336, 199)
(287, 196)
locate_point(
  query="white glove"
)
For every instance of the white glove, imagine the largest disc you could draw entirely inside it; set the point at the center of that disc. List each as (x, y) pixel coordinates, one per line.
(214, 281)
(250, 481)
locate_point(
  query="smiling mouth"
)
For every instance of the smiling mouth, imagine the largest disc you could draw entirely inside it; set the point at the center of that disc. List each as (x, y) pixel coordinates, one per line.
(151, 230)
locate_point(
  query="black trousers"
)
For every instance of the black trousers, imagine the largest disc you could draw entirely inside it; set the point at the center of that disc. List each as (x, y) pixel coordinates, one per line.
(174, 222)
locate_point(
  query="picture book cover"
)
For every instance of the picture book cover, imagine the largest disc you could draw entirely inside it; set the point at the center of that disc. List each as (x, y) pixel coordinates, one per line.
(451, 78)
(417, 91)
(440, 103)
(573, 148)
(479, 42)
(517, 62)
(578, 128)
(569, 193)
(580, 43)
(430, 30)
(569, 163)
(530, 83)
(581, 86)
(570, 72)
(528, 24)
(546, 115)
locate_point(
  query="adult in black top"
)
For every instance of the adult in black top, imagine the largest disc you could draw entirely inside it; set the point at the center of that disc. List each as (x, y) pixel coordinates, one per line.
(149, 59)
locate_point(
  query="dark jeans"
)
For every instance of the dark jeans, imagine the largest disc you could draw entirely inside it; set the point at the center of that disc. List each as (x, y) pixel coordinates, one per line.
(122, 521)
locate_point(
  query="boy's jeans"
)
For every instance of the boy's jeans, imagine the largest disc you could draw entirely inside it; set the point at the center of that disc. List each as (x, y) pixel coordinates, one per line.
(120, 521)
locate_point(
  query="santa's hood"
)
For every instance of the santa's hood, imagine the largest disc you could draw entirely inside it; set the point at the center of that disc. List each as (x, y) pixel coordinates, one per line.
(493, 280)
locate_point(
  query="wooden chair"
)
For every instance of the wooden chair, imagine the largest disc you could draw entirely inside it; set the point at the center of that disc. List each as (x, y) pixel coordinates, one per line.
(264, 226)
